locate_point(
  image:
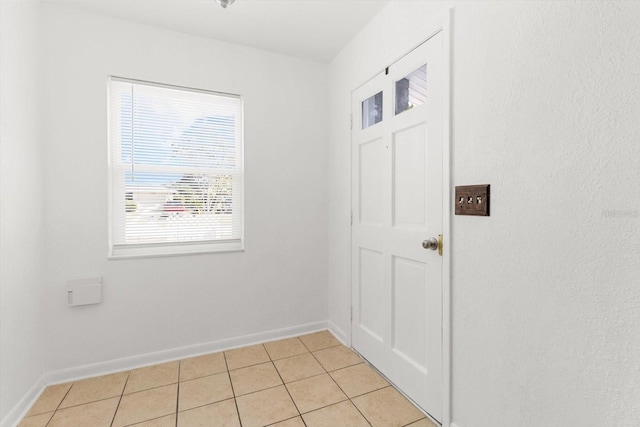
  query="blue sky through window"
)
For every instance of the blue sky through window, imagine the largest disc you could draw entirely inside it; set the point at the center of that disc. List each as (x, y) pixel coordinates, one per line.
(166, 135)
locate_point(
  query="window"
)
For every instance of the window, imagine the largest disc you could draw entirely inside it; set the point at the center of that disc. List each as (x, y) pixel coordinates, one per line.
(411, 91)
(372, 110)
(176, 173)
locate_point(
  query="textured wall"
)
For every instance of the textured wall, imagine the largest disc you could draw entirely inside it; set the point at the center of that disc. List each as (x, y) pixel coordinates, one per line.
(22, 336)
(547, 314)
(546, 291)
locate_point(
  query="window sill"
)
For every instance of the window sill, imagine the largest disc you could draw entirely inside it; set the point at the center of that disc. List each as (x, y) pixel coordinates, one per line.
(118, 252)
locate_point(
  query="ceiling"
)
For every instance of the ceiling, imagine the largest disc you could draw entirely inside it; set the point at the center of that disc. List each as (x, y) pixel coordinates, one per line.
(310, 29)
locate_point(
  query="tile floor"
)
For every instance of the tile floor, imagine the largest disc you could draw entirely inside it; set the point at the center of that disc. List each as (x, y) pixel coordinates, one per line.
(311, 380)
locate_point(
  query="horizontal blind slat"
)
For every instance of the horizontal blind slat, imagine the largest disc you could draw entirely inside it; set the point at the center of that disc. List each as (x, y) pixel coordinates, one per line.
(176, 159)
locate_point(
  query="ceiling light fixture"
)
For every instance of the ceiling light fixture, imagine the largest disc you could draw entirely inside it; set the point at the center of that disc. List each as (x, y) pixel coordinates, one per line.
(225, 3)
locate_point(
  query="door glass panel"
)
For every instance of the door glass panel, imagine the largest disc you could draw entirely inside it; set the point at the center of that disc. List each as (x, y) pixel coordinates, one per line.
(411, 90)
(372, 110)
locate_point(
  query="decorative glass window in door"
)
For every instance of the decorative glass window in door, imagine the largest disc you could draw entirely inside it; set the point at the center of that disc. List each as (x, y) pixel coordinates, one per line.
(411, 90)
(372, 110)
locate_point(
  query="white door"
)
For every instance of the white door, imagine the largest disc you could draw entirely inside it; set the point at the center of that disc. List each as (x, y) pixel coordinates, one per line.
(397, 141)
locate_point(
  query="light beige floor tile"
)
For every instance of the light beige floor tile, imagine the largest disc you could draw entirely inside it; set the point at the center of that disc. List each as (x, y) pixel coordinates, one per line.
(221, 414)
(152, 376)
(387, 408)
(425, 422)
(337, 357)
(292, 422)
(36, 420)
(285, 348)
(298, 367)
(254, 378)
(205, 390)
(266, 407)
(315, 392)
(95, 414)
(246, 356)
(358, 379)
(147, 405)
(319, 340)
(200, 366)
(94, 389)
(340, 414)
(168, 421)
(49, 399)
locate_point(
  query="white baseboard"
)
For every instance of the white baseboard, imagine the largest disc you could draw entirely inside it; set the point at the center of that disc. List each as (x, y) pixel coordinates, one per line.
(338, 333)
(141, 360)
(138, 361)
(20, 410)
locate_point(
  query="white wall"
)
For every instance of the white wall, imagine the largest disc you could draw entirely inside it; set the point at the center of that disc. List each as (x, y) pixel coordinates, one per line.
(22, 333)
(163, 303)
(546, 291)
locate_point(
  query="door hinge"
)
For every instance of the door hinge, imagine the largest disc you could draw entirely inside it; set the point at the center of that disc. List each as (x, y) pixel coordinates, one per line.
(352, 313)
(351, 122)
(351, 219)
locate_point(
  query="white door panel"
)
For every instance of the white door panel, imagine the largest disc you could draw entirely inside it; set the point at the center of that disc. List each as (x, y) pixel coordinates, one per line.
(397, 203)
(371, 157)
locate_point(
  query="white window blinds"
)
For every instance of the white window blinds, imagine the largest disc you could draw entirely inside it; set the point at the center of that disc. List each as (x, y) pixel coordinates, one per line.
(176, 169)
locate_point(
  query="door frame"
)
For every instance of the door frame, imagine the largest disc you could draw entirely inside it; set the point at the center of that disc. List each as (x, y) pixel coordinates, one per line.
(442, 23)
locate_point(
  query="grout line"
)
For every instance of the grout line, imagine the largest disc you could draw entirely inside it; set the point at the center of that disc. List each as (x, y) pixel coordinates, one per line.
(88, 403)
(57, 407)
(147, 389)
(228, 371)
(323, 348)
(202, 406)
(224, 358)
(413, 422)
(266, 388)
(235, 401)
(287, 389)
(343, 401)
(348, 398)
(48, 421)
(306, 378)
(291, 357)
(338, 385)
(359, 411)
(258, 391)
(318, 361)
(178, 391)
(107, 398)
(146, 421)
(253, 364)
(200, 377)
(370, 391)
(120, 400)
(287, 419)
(392, 385)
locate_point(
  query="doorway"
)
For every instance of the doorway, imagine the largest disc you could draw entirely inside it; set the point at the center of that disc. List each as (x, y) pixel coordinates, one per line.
(399, 194)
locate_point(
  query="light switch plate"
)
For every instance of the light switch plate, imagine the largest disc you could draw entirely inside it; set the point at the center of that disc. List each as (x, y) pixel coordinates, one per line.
(472, 200)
